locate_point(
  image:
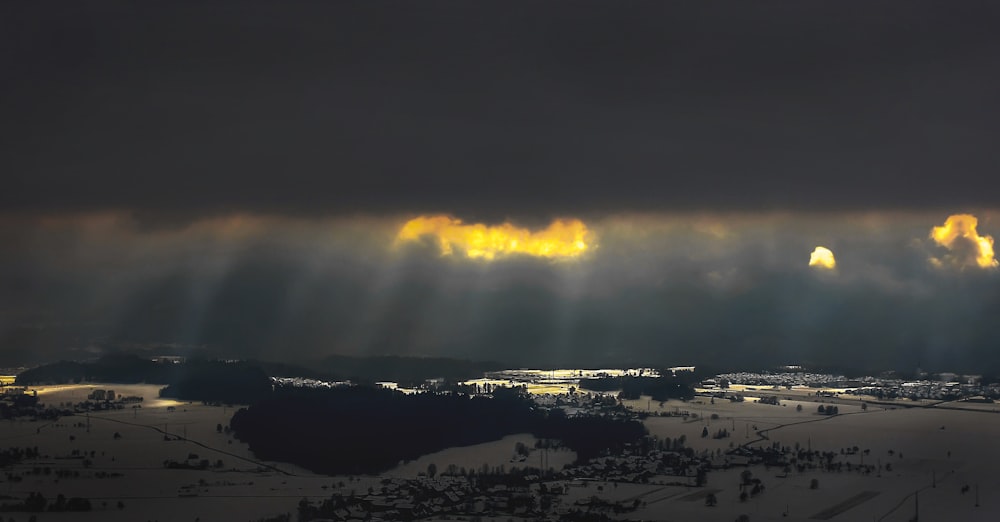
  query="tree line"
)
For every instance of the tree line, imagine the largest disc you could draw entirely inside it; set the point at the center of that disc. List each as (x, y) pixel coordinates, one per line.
(367, 430)
(659, 388)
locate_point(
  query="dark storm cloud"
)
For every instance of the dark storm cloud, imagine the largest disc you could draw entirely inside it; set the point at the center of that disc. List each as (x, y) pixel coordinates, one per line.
(496, 109)
(216, 174)
(720, 289)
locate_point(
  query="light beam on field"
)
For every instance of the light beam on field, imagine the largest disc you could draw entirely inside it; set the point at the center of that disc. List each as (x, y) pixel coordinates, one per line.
(562, 239)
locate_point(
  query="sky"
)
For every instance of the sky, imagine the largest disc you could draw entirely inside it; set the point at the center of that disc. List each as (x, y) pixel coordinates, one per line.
(541, 183)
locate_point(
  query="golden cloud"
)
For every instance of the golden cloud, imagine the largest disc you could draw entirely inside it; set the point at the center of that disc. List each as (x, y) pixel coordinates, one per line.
(966, 246)
(822, 257)
(563, 238)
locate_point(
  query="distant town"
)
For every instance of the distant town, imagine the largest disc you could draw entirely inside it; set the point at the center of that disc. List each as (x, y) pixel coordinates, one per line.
(943, 386)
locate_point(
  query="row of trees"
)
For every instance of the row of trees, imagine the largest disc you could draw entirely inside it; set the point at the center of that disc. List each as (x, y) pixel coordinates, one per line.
(720, 434)
(828, 410)
(659, 388)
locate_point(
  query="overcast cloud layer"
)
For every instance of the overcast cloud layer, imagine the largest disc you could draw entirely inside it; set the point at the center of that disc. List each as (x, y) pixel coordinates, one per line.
(233, 175)
(656, 289)
(498, 109)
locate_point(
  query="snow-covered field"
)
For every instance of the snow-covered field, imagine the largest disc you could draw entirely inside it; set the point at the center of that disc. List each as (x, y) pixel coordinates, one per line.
(493, 454)
(238, 490)
(929, 445)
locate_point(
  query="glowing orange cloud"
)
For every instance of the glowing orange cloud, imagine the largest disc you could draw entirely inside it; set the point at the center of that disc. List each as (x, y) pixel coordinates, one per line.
(564, 238)
(822, 257)
(968, 248)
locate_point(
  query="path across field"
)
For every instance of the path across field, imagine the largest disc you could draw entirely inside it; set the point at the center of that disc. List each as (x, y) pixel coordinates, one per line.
(850, 503)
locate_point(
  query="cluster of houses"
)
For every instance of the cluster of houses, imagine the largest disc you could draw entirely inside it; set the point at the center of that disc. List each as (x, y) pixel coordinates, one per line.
(652, 467)
(16, 401)
(102, 395)
(524, 493)
(584, 405)
(568, 376)
(522, 496)
(782, 379)
(932, 390)
(106, 400)
(405, 499)
(303, 382)
(946, 386)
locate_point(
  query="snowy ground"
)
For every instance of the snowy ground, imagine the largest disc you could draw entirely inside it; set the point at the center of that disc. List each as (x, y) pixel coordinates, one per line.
(245, 489)
(939, 447)
(242, 489)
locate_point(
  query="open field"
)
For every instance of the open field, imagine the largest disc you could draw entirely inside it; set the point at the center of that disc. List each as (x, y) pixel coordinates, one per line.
(242, 489)
(930, 446)
(493, 454)
(741, 419)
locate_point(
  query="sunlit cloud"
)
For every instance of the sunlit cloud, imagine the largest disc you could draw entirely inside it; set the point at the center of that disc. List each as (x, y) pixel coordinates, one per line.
(965, 246)
(563, 238)
(822, 258)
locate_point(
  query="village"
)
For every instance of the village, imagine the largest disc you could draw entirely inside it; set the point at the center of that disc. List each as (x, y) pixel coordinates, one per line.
(944, 386)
